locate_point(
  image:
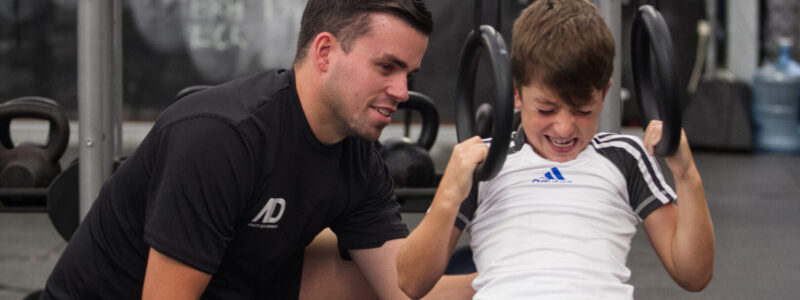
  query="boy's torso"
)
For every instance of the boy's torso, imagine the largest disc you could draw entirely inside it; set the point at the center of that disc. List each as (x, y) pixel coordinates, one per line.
(557, 229)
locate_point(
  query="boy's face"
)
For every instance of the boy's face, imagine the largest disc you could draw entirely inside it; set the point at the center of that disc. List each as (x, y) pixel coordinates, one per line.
(555, 130)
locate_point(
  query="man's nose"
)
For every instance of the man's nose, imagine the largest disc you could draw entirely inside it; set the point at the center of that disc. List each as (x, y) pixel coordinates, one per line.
(398, 88)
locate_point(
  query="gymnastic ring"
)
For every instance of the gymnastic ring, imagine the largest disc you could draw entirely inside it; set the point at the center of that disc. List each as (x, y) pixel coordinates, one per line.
(650, 30)
(503, 104)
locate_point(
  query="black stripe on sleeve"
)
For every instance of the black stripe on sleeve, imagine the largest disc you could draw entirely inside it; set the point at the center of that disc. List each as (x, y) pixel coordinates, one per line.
(642, 198)
(467, 211)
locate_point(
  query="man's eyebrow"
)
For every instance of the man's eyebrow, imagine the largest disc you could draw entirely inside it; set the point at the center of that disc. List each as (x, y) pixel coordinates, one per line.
(395, 60)
(402, 64)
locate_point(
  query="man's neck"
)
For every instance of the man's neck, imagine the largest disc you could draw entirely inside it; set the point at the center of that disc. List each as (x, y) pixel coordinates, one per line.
(309, 85)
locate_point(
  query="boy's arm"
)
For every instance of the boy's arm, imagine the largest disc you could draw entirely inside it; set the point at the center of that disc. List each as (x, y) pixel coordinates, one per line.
(682, 235)
(424, 257)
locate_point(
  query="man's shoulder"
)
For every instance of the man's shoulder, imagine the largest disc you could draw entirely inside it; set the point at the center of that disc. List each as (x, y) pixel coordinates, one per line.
(232, 101)
(267, 83)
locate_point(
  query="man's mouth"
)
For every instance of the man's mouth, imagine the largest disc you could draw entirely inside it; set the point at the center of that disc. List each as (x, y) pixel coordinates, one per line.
(385, 112)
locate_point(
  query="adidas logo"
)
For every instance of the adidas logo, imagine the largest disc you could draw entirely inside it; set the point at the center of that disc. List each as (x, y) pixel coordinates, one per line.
(552, 176)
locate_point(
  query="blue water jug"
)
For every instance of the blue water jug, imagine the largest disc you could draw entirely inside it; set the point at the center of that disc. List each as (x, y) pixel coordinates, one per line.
(776, 103)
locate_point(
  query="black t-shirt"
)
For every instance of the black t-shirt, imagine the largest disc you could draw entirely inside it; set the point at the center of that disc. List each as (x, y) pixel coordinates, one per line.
(230, 181)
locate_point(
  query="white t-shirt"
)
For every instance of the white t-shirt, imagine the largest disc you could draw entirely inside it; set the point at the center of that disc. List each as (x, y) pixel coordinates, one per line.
(547, 230)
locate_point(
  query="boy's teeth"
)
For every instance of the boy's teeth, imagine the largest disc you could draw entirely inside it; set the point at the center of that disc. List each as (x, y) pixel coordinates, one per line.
(562, 143)
(383, 111)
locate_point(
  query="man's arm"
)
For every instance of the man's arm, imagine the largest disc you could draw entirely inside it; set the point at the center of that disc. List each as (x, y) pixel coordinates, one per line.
(327, 275)
(682, 235)
(166, 278)
(379, 271)
(424, 257)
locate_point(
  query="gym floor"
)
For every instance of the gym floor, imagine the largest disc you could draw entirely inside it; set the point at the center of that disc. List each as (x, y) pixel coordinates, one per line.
(754, 201)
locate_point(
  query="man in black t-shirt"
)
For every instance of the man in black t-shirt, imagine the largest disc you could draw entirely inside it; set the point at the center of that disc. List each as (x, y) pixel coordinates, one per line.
(230, 185)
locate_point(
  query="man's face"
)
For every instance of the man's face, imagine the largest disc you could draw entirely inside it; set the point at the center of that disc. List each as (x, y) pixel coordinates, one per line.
(557, 131)
(365, 85)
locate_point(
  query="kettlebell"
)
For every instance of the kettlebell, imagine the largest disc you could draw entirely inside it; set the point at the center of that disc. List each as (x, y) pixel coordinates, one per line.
(29, 165)
(409, 163)
(483, 120)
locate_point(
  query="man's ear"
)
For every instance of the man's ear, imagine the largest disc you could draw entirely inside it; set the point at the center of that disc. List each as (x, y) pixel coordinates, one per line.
(321, 50)
(517, 97)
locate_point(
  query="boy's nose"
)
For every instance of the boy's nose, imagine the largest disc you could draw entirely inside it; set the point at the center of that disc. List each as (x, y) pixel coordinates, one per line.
(564, 124)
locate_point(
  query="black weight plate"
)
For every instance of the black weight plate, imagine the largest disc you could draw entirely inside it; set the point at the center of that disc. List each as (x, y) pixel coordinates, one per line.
(62, 202)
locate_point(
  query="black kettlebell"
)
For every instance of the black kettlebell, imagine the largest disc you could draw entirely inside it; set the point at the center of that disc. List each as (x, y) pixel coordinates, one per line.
(409, 163)
(29, 165)
(483, 120)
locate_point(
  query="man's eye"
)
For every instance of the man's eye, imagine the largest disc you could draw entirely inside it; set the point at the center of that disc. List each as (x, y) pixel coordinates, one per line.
(583, 112)
(386, 68)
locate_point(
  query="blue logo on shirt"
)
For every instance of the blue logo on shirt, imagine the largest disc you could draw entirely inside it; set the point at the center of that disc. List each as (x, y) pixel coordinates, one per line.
(552, 176)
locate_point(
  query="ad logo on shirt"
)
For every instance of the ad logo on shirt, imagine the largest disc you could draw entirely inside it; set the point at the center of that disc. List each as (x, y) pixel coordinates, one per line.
(269, 216)
(552, 176)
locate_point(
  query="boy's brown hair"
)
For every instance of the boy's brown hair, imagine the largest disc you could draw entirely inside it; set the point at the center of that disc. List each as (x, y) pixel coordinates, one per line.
(565, 45)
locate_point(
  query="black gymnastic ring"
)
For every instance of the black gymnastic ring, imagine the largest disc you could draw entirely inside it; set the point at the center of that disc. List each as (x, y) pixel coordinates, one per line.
(503, 105)
(650, 29)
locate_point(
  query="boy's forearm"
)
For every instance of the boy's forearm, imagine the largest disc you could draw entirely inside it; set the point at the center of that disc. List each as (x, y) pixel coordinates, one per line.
(423, 258)
(693, 246)
(453, 287)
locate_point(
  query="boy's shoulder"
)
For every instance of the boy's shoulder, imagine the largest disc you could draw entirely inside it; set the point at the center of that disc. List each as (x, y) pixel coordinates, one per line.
(617, 142)
(623, 150)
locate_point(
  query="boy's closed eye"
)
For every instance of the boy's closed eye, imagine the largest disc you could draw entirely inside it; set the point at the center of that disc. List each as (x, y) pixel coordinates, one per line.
(546, 111)
(582, 112)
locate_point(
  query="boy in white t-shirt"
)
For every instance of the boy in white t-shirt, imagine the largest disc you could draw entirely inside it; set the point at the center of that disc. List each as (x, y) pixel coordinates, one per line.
(558, 219)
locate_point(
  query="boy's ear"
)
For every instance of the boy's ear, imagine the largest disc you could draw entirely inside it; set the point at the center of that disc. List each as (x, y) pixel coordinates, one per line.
(517, 100)
(608, 88)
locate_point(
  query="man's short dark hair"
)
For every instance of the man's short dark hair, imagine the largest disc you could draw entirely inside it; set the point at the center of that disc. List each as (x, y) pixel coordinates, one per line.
(349, 19)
